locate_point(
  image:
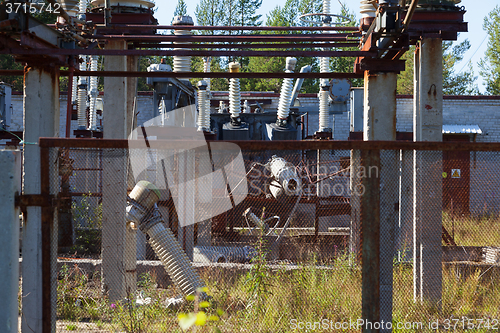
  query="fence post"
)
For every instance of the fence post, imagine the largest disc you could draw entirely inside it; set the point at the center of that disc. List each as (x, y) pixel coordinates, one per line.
(9, 238)
(370, 235)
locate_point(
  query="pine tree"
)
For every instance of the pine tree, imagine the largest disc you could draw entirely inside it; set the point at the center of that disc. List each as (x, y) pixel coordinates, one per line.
(247, 12)
(210, 13)
(181, 8)
(490, 65)
(462, 83)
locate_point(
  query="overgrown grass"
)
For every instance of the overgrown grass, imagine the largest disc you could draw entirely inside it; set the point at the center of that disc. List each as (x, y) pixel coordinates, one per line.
(471, 230)
(309, 293)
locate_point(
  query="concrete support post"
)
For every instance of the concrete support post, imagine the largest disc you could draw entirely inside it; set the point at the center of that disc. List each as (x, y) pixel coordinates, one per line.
(118, 241)
(204, 195)
(132, 65)
(41, 119)
(356, 193)
(370, 218)
(427, 194)
(380, 124)
(9, 238)
(405, 226)
(186, 201)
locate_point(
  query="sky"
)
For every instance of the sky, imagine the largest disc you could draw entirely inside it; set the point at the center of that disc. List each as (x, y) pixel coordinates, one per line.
(476, 11)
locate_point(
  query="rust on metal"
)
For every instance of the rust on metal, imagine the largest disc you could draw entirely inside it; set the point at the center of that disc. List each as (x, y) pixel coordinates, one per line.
(370, 239)
(230, 38)
(25, 200)
(212, 75)
(184, 52)
(248, 46)
(281, 145)
(223, 28)
(69, 105)
(47, 229)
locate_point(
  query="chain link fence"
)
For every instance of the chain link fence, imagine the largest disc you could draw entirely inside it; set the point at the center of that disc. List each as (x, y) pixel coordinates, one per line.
(315, 228)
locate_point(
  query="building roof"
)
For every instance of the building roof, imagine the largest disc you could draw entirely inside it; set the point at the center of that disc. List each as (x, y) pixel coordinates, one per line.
(462, 129)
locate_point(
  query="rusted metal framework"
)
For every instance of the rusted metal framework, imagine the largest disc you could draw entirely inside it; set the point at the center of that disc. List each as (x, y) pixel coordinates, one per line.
(17, 37)
(380, 50)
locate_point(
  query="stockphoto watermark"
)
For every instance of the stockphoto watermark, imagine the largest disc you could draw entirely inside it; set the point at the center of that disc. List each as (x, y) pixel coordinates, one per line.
(172, 153)
(353, 324)
(331, 180)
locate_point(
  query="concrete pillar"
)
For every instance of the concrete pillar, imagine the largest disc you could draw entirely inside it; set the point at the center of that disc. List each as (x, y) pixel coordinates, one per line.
(204, 198)
(405, 226)
(9, 238)
(41, 119)
(380, 124)
(427, 194)
(132, 65)
(118, 242)
(356, 192)
(186, 201)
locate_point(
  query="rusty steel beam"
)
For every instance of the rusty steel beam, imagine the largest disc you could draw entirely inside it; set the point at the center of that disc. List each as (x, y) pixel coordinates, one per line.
(222, 28)
(230, 38)
(195, 74)
(184, 52)
(282, 145)
(247, 46)
(25, 200)
(379, 65)
(438, 27)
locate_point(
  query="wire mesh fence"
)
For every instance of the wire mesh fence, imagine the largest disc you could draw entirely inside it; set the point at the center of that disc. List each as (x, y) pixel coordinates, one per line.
(313, 229)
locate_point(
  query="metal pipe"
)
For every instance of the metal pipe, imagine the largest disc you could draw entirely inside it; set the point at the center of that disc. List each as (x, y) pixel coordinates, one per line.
(184, 52)
(280, 75)
(231, 38)
(227, 28)
(298, 84)
(409, 15)
(248, 46)
(280, 145)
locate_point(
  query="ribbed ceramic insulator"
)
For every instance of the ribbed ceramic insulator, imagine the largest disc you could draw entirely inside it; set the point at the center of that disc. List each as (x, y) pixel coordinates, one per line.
(324, 121)
(93, 95)
(174, 259)
(204, 110)
(234, 97)
(285, 98)
(367, 9)
(82, 108)
(83, 6)
(182, 63)
(74, 91)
